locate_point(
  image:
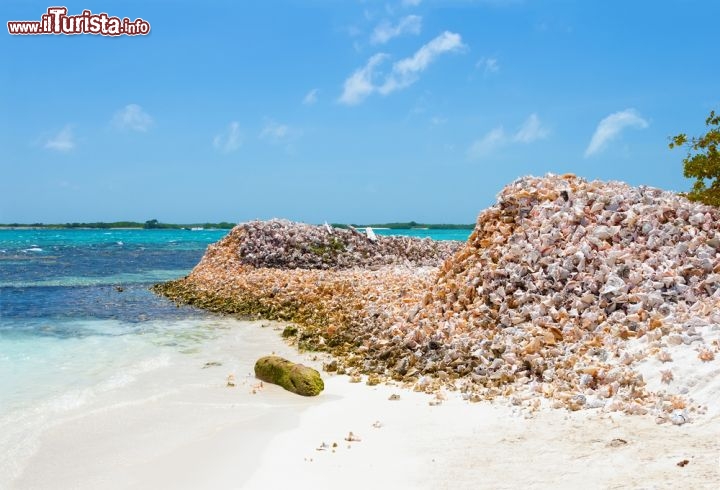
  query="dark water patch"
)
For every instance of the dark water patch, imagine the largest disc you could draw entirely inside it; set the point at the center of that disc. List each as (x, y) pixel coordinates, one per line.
(92, 262)
(134, 304)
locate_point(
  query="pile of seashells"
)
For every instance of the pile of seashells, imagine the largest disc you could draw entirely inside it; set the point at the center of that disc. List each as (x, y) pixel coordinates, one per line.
(301, 273)
(562, 289)
(554, 282)
(287, 245)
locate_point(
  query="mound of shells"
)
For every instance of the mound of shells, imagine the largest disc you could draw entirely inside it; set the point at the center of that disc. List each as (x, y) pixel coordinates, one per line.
(286, 245)
(563, 290)
(555, 283)
(334, 282)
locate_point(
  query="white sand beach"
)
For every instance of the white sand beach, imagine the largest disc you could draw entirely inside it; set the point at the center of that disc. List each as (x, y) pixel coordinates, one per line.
(180, 426)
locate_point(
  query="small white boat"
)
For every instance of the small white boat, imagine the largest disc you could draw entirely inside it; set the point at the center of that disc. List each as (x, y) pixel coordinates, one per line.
(197, 228)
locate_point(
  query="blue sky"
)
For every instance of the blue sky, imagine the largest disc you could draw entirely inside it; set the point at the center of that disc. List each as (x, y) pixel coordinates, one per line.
(345, 111)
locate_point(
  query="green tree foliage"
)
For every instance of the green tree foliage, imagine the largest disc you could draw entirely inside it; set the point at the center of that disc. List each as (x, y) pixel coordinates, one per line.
(702, 162)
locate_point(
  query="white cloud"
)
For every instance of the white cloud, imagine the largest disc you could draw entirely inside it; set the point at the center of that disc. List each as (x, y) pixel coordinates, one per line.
(410, 3)
(404, 72)
(311, 97)
(385, 31)
(489, 142)
(62, 141)
(437, 120)
(132, 117)
(274, 132)
(611, 126)
(531, 130)
(230, 139)
(360, 84)
(488, 65)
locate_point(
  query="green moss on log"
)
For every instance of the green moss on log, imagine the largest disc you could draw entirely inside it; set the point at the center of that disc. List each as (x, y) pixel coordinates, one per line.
(293, 377)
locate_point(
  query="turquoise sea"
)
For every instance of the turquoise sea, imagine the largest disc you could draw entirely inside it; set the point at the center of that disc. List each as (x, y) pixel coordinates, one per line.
(77, 319)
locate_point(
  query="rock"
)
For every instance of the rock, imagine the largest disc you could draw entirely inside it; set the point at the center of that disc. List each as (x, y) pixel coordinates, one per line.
(290, 331)
(297, 378)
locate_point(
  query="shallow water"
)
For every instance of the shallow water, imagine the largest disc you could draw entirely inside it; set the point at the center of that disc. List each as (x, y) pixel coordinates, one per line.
(71, 300)
(66, 294)
(78, 322)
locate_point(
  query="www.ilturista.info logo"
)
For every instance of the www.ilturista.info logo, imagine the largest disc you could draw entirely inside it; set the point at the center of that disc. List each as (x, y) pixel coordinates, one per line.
(57, 21)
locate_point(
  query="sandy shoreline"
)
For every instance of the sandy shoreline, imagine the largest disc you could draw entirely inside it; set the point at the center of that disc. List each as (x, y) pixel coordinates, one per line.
(181, 427)
(461, 445)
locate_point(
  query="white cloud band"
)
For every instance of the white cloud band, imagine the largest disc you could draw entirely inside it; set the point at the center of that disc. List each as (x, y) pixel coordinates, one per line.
(404, 72)
(611, 126)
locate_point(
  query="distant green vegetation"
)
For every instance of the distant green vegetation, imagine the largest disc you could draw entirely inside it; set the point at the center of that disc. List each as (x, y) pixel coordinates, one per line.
(154, 224)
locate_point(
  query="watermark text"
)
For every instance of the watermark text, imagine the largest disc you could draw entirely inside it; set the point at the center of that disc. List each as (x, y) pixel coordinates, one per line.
(57, 21)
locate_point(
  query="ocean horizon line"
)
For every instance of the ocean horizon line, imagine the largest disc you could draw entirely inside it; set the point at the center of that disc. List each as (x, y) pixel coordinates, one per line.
(224, 225)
